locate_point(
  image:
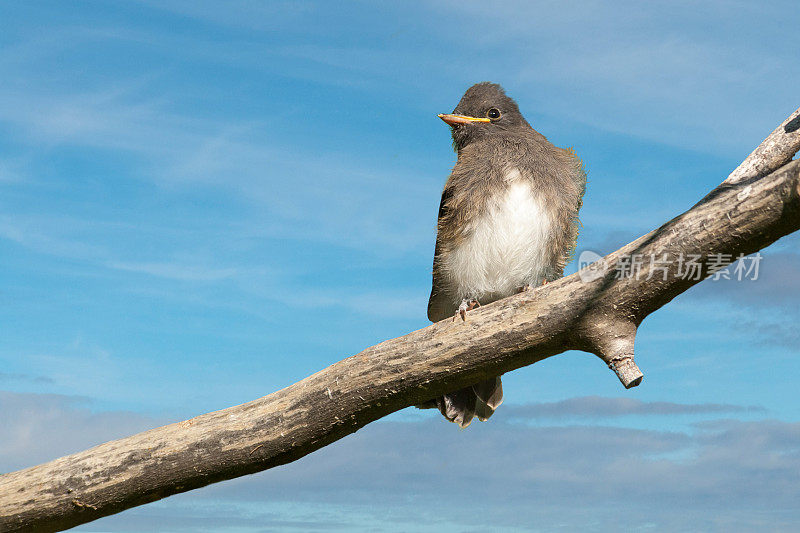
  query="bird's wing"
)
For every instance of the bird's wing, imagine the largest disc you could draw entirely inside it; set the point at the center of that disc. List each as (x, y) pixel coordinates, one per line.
(580, 173)
(579, 178)
(573, 187)
(439, 304)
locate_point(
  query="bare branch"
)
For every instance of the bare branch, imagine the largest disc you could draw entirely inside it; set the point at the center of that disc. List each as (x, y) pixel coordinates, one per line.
(595, 311)
(613, 341)
(773, 152)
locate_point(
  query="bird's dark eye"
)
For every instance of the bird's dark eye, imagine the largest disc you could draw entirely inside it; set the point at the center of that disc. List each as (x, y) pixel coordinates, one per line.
(493, 113)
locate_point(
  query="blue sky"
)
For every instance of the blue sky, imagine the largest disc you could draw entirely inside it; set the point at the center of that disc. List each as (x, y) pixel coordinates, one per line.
(201, 204)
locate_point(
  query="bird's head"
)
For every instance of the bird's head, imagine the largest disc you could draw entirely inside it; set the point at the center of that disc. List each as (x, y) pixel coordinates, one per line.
(484, 109)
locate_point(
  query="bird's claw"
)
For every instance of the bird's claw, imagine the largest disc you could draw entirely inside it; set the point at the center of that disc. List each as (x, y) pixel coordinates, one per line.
(527, 287)
(466, 305)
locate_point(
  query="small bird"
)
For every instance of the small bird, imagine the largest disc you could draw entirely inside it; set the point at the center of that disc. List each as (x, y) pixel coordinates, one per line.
(508, 221)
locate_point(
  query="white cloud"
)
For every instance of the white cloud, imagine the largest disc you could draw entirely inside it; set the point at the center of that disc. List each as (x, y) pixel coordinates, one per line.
(718, 475)
(178, 271)
(599, 408)
(41, 427)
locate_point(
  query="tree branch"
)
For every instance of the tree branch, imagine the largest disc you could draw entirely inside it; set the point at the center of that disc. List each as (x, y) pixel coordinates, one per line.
(773, 152)
(594, 310)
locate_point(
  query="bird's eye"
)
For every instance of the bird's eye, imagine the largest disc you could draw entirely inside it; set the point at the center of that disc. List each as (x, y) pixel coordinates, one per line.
(493, 113)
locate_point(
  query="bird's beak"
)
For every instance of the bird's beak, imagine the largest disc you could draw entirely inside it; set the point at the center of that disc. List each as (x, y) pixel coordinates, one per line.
(455, 120)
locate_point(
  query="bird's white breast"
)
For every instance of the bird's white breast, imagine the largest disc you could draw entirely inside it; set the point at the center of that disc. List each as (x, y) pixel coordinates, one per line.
(505, 246)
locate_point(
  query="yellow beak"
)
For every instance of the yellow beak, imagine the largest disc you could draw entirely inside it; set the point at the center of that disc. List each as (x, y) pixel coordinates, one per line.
(454, 120)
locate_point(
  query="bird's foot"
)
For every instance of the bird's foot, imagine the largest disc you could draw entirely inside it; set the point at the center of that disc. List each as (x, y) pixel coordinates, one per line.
(466, 305)
(527, 287)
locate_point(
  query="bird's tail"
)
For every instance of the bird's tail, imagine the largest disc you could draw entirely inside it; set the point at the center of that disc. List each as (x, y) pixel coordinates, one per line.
(479, 400)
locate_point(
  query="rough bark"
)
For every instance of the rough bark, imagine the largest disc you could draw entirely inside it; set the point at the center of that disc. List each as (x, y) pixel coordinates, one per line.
(773, 152)
(594, 310)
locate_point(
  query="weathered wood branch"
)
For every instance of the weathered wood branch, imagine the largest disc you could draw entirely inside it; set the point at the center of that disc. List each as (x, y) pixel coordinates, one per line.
(773, 152)
(596, 310)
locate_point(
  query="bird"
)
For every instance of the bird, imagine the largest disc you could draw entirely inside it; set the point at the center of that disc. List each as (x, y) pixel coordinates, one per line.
(508, 222)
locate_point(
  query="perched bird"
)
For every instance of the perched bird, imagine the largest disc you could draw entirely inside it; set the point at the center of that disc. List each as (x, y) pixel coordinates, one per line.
(508, 221)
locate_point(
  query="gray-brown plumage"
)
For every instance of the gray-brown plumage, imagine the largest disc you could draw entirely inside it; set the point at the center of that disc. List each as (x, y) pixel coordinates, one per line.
(508, 220)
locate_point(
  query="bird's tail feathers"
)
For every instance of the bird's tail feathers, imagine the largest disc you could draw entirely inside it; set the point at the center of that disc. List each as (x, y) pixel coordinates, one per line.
(480, 400)
(489, 396)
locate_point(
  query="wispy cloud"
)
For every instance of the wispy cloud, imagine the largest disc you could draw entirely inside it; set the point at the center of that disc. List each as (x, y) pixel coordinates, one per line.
(776, 285)
(40, 427)
(173, 200)
(12, 170)
(640, 71)
(13, 376)
(176, 271)
(41, 234)
(596, 408)
(312, 195)
(541, 472)
(722, 475)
